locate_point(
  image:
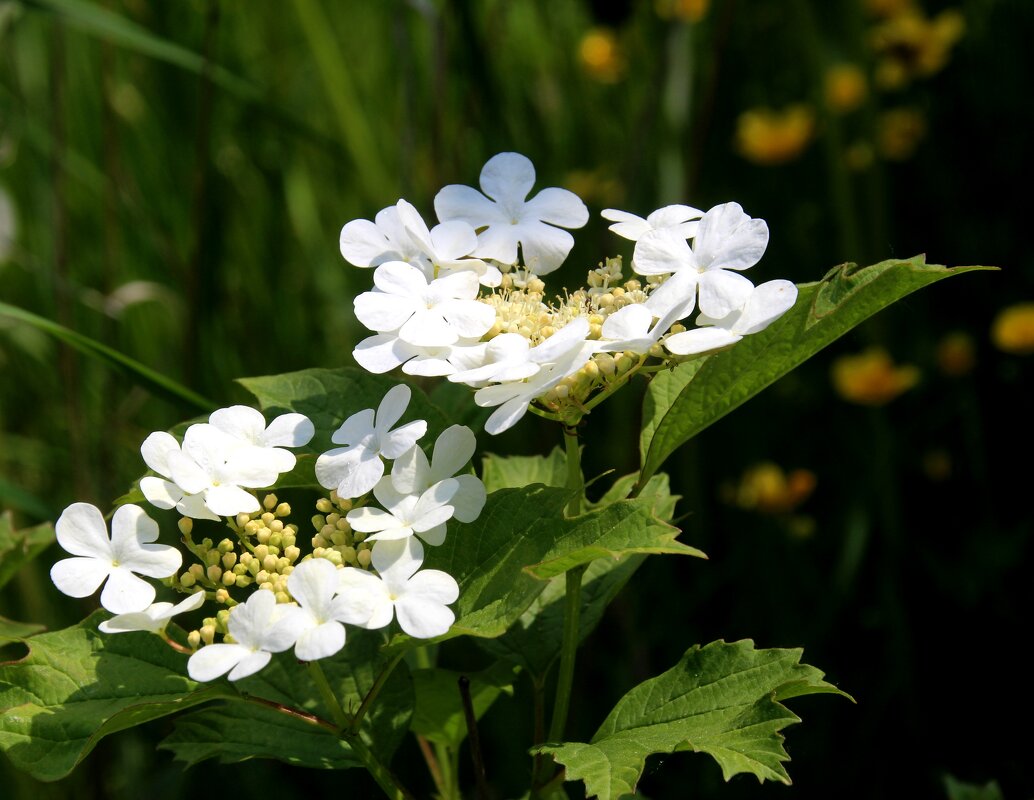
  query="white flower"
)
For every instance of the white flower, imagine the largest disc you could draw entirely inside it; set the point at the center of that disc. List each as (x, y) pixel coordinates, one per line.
(629, 328)
(727, 239)
(508, 219)
(681, 219)
(385, 351)
(426, 314)
(315, 584)
(411, 474)
(446, 246)
(166, 494)
(81, 531)
(370, 244)
(154, 618)
(259, 627)
(215, 466)
(354, 470)
(419, 599)
(766, 304)
(248, 426)
(514, 398)
(424, 514)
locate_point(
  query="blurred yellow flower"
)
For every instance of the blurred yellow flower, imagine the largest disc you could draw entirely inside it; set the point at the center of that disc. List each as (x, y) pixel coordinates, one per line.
(766, 136)
(845, 88)
(1013, 329)
(956, 354)
(595, 186)
(768, 488)
(600, 55)
(870, 378)
(685, 10)
(908, 44)
(898, 133)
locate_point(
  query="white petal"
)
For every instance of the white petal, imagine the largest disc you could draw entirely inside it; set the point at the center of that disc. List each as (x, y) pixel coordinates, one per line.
(700, 340)
(241, 422)
(187, 474)
(354, 429)
(364, 590)
(151, 619)
(255, 467)
(499, 242)
(454, 239)
(435, 535)
(214, 660)
(625, 224)
(469, 498)
(249, 665)
(415, 226)
(544, 247)
(383, 312)
(289, 430)
(729, 239)
(400, 280)
(392, 407)
(470, 319)
(469, 205)
(160, 493)
(229, 501)
(631, 322)
(382, 353)
(423, 620)
(429, 366)
(673, 216)
(558, 207)
(769, 301)
(363, 244)
(433, 585)
(370, 520)
(313, 583)
(428, 327)
(82, 531)
(507, 177)
(322, 641)
(722, 292)
(80, 576)
(662, 251)
(398, 559)
(411, 473)
(401, 439)
(507, 415)
(453, 448)
(193, 506)
(125, 592)
(677, 294)
(155, 450)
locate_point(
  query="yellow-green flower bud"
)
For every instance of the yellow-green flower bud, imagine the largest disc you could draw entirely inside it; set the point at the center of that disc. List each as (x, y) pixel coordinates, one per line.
(276, 526)
(229, 559)
(267, 517)
(242, 581)
(289, 539)
(252, 527)
(269, 501)
(261, 551)
(261, 576)
(222, 616)
(605, 363)
(325, 506)
(206, 544)
(363, 557)
(207, 633)
(239, 569)
(327, 532)
(187, 580)
(194, 639)
(292, 553)
(318, 552)
(344, 504)
(274, 539)
(215, 573)
(333, 556)
(656, 351)
(212, 557)
(269, 563)
(287, 570)
(229, 578)
(263, 535)
(225, 546)
(221, 595)
(282, 563)
(348, 555)
(186, 525)
(283, 510)
(283, 597)
(338, 537)
(333, 518)
(197, 571)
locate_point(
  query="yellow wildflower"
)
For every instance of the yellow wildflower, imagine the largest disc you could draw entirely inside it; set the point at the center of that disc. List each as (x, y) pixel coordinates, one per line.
(899, 132)
(909, 44)
(871, 378)
(766, 136)
(768, 488)
(600, 55)
(1013, 329)
(845, 88)
(956, 354)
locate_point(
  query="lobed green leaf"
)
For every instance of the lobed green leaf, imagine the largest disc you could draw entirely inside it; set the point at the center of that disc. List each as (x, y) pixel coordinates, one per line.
(682, 402)
(721, 699)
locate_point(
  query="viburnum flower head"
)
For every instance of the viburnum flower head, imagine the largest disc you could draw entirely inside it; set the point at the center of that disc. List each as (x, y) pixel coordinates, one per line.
(727, 241)
(765, 305)
(419, 599)
(259, 627)
(678, 218)
(319, 624)
(129, 552)
(505, 218)
(154, 618)
(430, 314)
(353, 470)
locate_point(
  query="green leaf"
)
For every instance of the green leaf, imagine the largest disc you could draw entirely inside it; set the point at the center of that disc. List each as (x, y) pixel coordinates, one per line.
(682, 402)
(721, 699)
(146, 377)
(77, 685)
(516, 472)
(960, 790)
(329, 396)
(521, 538)
(11, 631)
(236, 731)
(439, 715)
(17, 548)
(14, 496)
(534, 641)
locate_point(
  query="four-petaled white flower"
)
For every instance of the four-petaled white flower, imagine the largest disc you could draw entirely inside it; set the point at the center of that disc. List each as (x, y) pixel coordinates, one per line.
(320, 632)
(81, 531)
(679, 218)
(370, 244)
(423, 514)
(446, 246)
(154, 618)
(411, 474)
(727, 241)
(247, 426)
(508, 219)
(165, 494)
(259, 627)
(429, 314)
(419, 599)
(631, 329)
(766, 304)
(354, 470)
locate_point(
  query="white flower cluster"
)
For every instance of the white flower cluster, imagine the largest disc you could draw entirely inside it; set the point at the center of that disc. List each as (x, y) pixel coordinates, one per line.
(303, 605)
(429, 315)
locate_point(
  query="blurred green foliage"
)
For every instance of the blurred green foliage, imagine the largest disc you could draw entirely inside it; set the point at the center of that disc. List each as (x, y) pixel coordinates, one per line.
(178, 174)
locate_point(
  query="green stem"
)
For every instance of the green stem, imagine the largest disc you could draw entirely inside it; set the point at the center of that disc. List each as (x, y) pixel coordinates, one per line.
(378, 684)
(338, 713)
(574, 472)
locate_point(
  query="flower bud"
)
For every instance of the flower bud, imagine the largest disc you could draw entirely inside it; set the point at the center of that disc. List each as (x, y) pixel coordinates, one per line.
(194, 639)
(283, 510)
(324, 506)
(187, 580)
(274, 539)
(229, 578)
(289, 539)
(318, 521)
(197, 571)
(186, 525)
(260, 552)
(221, 595)
(207, 633)
(242, 581)
(276, 526)
(269, 501)
(333, 518)
(269, 563)
(348, 555)
(292, 553)
(363, 557)
(214, 573)
(333, 556)
(229, 560)
(242, 519)
(253, 526)
(222, 616)
(283, 597)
